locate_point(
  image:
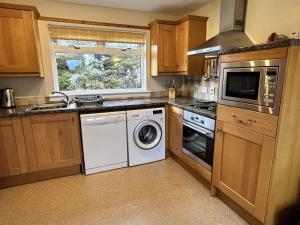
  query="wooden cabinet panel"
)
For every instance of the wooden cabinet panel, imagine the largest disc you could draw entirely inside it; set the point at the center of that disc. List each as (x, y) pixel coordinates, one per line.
(17, 42)
(175, 123)
(13, 157)
(276, 53)
(284, 190)
(260, 122)
(182, 47)
(242, 166)
(189, 35)
(53, 140)
(166, 52)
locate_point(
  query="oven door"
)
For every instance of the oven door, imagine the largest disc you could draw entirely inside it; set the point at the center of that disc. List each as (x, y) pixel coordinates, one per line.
(198, 144)
(244, 85)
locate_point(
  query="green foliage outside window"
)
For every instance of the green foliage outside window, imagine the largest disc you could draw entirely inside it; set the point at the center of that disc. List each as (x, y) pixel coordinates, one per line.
(77, 72)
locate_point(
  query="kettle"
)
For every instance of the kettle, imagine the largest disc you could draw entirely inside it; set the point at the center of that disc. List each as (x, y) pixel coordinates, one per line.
(7, 99)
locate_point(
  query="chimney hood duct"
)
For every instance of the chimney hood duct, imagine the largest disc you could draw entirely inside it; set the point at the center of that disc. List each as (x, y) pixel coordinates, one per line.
(232, 20)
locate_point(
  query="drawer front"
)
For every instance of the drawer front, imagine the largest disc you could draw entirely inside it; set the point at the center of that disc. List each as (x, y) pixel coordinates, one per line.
(256, 121)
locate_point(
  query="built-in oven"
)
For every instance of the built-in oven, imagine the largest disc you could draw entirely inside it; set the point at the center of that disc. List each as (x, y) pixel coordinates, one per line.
(198, 138)
(254, 85)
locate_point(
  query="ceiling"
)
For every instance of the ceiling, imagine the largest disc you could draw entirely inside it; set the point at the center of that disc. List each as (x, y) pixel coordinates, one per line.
(153, 6)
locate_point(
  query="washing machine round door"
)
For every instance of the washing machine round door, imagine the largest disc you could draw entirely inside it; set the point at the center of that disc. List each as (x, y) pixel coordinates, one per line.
(147, 134)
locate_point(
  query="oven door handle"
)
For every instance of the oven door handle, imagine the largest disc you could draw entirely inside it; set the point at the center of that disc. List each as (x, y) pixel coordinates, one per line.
(199, 129)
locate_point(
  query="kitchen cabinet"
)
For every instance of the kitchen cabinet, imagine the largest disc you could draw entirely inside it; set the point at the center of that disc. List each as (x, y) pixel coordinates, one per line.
(175, 129)
(182, 47)
(13, 156)
(242, 166)
(170, 41)
(166, 55)
(18, 41)
(189, 34)
(264, 146)
(52, 140)
(162, 48)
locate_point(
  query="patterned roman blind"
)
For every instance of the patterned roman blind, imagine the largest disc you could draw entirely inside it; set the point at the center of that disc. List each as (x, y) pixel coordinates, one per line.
(81, 34)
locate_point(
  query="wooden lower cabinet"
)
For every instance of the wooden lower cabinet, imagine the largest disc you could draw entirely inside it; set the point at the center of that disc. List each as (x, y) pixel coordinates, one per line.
(52, 140)
(175, 129)
(242, 166)
(13, 156)
(39, 142)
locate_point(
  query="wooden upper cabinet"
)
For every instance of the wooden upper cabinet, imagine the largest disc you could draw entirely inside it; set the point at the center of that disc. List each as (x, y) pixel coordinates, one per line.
(52, 140)
(13, 156)
(170, 42)
(162, 48)
(166, 59)
(189, 35)
(18, 42)
(175, 129)
(182, 47)
(242, 166)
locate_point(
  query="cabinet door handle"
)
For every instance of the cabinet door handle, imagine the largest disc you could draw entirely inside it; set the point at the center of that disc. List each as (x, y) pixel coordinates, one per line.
(244, 122)
(219, 130)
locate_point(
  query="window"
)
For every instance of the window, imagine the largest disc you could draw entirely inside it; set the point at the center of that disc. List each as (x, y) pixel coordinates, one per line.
(98, 60)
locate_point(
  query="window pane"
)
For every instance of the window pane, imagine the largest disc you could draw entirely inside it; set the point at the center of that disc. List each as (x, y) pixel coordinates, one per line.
(77, 72)
(122, 45)
(61, 42)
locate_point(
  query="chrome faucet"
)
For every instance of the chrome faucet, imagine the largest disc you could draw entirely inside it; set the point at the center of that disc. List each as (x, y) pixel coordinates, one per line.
(67, 98)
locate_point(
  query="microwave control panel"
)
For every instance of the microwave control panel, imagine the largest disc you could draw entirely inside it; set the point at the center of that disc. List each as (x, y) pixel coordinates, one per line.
(271, 77)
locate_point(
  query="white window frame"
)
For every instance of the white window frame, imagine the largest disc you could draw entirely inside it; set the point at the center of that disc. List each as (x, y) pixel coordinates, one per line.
(101, 50)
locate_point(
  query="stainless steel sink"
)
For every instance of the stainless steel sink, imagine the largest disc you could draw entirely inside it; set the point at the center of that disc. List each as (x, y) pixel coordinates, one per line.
(47, 107)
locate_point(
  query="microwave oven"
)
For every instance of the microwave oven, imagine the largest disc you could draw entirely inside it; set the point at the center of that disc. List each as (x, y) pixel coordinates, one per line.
(254, 85)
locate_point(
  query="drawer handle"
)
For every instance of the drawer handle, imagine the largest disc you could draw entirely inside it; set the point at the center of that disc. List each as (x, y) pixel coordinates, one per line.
(244, 122)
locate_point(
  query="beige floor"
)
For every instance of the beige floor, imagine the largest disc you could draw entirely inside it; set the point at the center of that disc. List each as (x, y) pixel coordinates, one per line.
(157, 193)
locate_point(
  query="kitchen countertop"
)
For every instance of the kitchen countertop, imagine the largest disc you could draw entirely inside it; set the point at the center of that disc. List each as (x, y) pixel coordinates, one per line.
(112, 105)
(279, 44)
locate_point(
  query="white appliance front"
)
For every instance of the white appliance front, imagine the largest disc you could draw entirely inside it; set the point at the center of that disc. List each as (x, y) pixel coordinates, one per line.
(146, 135)
(104, 141)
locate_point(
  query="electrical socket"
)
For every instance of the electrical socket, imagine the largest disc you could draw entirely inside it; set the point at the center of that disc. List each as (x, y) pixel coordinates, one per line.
(203, 89)
(211, 90)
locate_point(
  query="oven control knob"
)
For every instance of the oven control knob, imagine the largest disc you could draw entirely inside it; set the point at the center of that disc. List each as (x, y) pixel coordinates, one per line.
(271, 78)
(202, 121)
(192, 118)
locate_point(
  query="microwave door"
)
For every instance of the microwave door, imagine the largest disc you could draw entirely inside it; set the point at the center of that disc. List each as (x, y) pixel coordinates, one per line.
(243, 84)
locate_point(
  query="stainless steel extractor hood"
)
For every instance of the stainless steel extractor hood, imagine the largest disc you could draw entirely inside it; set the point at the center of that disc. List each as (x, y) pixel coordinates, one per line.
(232, 20)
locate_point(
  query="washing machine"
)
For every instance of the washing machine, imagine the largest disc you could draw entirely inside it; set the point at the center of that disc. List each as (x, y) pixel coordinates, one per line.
(146, 135)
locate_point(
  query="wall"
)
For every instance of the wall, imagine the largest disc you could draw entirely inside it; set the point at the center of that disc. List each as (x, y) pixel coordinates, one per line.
(267, 16)
(44, 86)
(212, 11)
(263, 18)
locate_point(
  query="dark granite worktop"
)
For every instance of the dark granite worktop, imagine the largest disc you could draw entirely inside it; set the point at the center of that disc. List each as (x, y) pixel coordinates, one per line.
(279, 44)
(111, 105)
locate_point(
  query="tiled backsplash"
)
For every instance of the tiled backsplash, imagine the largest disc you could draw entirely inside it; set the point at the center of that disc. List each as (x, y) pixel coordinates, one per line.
(201, 89)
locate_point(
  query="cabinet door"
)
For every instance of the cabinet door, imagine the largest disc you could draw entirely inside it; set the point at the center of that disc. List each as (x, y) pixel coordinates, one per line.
(242, 166)
(182, 47)
(53, 140)
(175, 123)
(13, 157)
(17, 42)
(166, 48)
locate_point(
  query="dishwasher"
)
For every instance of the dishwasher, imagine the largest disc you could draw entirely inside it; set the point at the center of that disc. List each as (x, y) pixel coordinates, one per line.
(104, 141)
